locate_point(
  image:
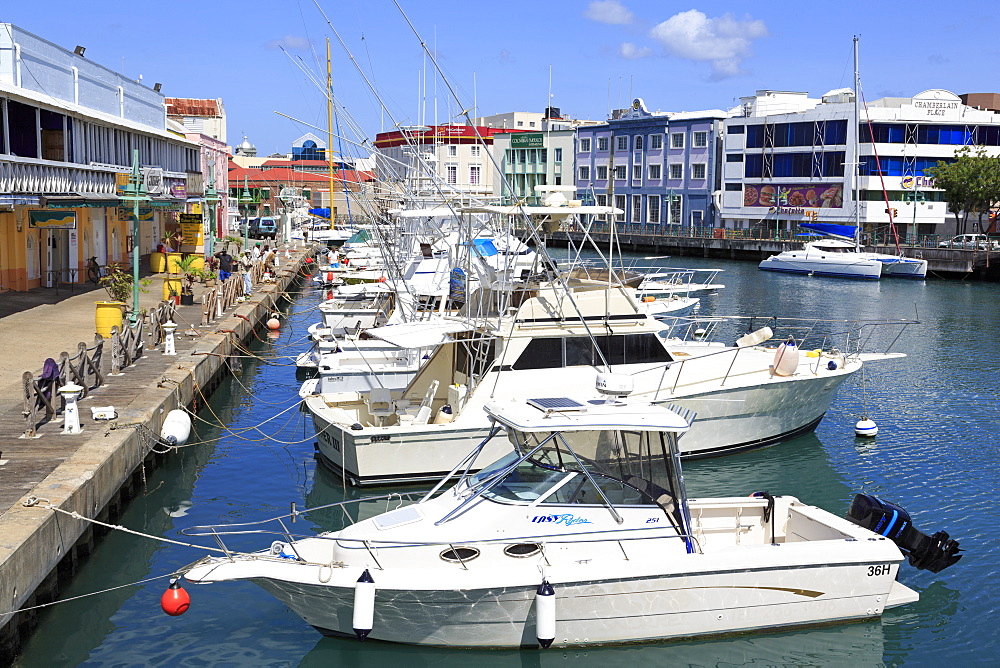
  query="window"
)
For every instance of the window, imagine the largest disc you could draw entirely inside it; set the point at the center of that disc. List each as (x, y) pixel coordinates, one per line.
(531, 124)
(602, 172)
(698, 171)
(734, 157)
(677, 171)
(452, 172)
(620, 205)
(734, 187)
(755, 136)
(638, 142)
(654, 172)
(452, 151)
(656, 142)
(602, 143)
(556, 154)
(621, 173)
(637, 172)
(636, 208)
(307, 194)
(265, 193)
(602, 200)
(474, 173)
(585, 145)
(623, 143)
(520, 124)
(585, 173)
(653, 208)
(549, 353)
(474, 151)
(735, 129)
(675, 209)
(700, 139)
(677, 140)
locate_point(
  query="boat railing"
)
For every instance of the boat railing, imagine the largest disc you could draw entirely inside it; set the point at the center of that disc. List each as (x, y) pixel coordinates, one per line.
(621, 536)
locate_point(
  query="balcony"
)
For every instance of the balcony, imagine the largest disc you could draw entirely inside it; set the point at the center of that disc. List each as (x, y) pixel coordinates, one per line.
(44, 177)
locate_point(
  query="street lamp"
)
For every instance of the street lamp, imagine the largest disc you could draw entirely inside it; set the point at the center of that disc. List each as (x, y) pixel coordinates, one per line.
(135, 192)
(212, 200)
(245, 201)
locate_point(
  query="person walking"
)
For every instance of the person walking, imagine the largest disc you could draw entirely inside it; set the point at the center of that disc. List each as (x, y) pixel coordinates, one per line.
(225, 264)
(246, 266)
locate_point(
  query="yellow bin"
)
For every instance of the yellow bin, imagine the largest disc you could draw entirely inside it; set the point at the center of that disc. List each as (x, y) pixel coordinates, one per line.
(157, 262)
(109, 314)
(174, 263)
(171, 285)
(198, 263)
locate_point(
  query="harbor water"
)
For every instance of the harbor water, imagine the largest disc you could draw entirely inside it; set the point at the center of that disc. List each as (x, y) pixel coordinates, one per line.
(936, 454)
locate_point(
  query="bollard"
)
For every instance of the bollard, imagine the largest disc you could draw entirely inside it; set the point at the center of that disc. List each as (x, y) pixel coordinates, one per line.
(168, 341)
(71, 414)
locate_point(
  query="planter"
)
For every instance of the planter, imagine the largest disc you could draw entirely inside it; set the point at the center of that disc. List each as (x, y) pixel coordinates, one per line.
(187, 300)
(171, 286)
(108, 315)
(157, 262)
(174, 263)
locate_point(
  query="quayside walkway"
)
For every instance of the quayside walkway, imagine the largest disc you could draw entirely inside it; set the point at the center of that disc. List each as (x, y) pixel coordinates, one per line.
(92, 473)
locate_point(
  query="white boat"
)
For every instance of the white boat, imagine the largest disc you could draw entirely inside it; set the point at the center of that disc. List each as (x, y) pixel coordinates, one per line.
(546, 345)
(582, 534)
(841, 258)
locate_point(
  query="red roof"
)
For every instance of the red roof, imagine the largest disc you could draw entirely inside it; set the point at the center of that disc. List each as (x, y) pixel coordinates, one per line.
(186, 106)
(283, 175)
(440, 134)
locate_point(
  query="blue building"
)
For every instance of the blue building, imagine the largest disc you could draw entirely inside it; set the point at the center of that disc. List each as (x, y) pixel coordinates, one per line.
(657, 167)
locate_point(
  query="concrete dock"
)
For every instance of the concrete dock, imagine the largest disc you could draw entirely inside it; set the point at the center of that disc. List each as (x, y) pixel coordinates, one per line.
(95, 472)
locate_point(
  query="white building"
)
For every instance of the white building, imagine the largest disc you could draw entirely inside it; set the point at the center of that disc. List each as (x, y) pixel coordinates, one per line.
(788, 159)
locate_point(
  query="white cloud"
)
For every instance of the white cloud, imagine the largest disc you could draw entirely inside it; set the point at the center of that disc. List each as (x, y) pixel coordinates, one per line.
(630, 51)
(724, 41)
(611, 12)
(290, 43)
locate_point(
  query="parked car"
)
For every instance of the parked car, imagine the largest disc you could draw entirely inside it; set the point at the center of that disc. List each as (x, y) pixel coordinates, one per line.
(262, 228)
(971, 242)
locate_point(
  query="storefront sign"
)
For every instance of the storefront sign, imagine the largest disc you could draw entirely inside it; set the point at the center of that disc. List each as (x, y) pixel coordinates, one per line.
(52, 220)
(821, 195)
(145, 214)
(527, 140)
(191, 228)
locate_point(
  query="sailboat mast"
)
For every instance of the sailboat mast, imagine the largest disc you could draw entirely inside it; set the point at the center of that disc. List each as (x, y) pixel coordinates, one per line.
(856, 162)
(329, 125)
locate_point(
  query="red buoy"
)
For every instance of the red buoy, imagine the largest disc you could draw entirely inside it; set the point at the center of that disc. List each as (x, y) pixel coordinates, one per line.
(273, 323)
(175, 600)
(309, 260)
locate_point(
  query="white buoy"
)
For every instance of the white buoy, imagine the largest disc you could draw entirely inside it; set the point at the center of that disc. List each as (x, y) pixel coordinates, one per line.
(866, 428)
(176, 428)
(364, 605)
(786, 358)
(71, 413)
(545, 614)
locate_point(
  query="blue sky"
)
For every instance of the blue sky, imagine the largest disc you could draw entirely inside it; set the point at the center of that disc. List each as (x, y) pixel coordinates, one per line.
(677, 56)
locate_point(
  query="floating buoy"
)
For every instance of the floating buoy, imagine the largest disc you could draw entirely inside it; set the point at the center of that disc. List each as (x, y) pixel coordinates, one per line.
(699, 332)
(176, 428)
(545, 614)
(866, 428)
(786, 358)
(175, 600)
(273, 322)
(364, 605)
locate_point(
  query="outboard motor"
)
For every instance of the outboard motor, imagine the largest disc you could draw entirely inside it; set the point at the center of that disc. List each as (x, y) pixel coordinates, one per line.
(932, 553)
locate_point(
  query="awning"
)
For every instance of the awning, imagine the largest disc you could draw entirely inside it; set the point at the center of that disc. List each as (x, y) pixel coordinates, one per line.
(419, 334)
(80, 200)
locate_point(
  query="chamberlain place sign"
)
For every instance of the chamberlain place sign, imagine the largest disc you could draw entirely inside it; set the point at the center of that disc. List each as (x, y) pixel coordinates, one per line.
(526, 140)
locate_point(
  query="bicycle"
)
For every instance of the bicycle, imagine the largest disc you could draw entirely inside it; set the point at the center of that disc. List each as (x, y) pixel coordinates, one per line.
(95, 271)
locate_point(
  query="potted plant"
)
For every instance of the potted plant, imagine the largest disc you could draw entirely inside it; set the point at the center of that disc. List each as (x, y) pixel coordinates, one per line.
(191, 268)
(237, 241)
(117, 282)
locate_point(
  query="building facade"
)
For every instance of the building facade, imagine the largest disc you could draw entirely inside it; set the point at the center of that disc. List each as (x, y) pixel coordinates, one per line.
(790, 159)
(529, 159)
(68, 130)
(656, 167)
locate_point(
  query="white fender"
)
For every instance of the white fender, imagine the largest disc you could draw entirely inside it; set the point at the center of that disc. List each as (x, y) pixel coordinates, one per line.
(545, 614)
(364, 605)
(786, 358)
(176, 427)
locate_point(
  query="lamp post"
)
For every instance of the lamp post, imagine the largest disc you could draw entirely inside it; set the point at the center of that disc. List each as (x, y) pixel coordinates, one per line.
(135, 192)
(245, 201)
(212, 200)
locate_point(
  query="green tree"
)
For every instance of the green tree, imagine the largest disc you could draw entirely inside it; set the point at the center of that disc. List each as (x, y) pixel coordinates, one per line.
(971, 184)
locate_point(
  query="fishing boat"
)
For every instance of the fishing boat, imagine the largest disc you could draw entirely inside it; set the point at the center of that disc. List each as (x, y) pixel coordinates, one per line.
(583, 534)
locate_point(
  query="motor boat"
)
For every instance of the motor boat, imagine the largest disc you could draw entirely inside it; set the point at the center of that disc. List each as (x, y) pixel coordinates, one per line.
(582, 534)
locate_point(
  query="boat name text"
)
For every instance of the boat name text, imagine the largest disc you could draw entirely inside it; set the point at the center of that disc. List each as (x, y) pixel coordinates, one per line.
(566, 519)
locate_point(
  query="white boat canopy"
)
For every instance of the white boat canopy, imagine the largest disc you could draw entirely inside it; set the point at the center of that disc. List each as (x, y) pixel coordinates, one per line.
(565, 414)
(419, 334)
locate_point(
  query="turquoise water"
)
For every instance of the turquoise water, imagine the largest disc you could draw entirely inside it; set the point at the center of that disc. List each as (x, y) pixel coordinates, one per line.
(936, 454)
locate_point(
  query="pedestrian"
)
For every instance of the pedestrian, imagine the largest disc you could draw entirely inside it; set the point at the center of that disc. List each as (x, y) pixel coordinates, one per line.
(225, 264)
(256, 251)
(246, 266)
